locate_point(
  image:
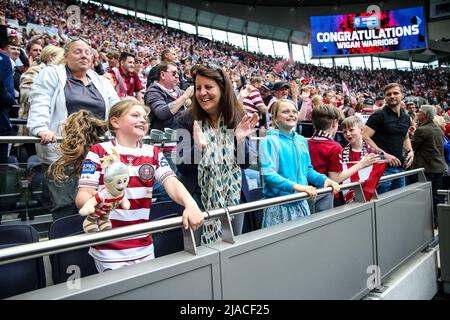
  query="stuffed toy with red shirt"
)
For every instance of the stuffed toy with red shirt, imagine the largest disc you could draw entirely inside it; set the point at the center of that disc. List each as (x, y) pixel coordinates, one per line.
(98, 208)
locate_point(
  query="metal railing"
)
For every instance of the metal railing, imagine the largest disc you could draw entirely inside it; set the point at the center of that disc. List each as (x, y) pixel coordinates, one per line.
(28, 139)
(445, 193)
(38, 249)
(420, 172)
(18, 121)
(33, 250)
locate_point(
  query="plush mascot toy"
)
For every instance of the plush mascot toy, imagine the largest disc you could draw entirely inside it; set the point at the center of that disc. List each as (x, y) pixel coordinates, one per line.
(97, 208)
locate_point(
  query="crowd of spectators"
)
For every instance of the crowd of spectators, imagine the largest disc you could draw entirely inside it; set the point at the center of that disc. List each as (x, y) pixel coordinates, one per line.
(203, 87)
(111, 32)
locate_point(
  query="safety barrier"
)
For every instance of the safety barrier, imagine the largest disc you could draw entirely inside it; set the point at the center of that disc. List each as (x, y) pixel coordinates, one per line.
(403, 222)
(156, 136)
(330, 255)
(443, 211)
(446, 194)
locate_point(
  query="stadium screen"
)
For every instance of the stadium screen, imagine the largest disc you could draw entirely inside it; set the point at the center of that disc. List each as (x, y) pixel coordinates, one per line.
(368, 33)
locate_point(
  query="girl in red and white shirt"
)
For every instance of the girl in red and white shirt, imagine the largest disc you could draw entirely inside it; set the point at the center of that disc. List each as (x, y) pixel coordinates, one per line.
(128, 123)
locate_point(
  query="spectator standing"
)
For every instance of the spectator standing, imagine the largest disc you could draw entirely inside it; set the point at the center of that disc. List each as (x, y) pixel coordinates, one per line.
(34, 51)
(214, 131)
(58, 91)
(167, 56)
(427, 144)
(286, 166)
(128, 122)
(165, 98)
(326, 153)
(128, 81)
(254, 103)
(386, 131)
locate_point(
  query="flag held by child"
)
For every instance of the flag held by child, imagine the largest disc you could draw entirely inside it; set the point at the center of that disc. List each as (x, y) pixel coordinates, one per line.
(368, 177)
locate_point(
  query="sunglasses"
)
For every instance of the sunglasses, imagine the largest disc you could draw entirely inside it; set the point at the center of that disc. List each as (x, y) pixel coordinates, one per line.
(174, 73)
(209, 65)
(73, 39)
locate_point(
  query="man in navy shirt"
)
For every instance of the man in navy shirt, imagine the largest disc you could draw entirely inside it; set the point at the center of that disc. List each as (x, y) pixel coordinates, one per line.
(387, 131)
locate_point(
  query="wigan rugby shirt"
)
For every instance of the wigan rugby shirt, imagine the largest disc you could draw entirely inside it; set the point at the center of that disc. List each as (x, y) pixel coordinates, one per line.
(146, 163)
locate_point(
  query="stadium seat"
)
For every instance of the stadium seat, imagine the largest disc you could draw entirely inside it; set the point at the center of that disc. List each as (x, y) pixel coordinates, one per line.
(23, 276)
(164, 208)
(168, 242)
(69, 226)
(9, 184)
(171, 241)
(446, 182)
(252, 220)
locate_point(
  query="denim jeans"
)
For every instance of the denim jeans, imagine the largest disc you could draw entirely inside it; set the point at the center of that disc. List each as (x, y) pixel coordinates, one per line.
(62, 195)
(391, 184)
(321, 203)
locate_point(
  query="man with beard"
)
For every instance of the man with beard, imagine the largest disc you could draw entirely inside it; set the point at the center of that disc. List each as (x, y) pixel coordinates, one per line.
(127, 79)
(386, 130)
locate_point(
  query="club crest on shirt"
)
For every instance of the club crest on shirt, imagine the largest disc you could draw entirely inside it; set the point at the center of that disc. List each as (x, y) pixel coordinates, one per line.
(146, 172)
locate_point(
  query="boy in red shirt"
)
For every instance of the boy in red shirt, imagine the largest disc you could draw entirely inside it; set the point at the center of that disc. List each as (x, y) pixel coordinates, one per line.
(356, 150)
(326, 153)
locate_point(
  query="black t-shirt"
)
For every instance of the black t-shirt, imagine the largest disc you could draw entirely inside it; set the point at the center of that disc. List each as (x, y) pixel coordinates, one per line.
(390, 130)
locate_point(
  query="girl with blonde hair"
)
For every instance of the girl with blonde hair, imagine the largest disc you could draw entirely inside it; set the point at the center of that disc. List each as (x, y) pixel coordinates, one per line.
(128, 123)
(286, 166)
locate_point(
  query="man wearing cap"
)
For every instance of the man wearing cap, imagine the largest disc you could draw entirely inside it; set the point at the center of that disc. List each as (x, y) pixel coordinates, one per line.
(266, 92)
(386, 130)
(368, 104)
(379, 101)
(280, 91)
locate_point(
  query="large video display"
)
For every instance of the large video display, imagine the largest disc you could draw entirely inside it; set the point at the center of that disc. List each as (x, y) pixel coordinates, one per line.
(366, 33)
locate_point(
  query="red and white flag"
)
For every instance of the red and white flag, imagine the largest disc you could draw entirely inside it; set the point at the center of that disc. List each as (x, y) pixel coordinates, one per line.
(345, 90)
(368, 177)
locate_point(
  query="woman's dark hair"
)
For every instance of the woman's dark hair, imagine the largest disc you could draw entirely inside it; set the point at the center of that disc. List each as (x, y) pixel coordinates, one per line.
(229, 105)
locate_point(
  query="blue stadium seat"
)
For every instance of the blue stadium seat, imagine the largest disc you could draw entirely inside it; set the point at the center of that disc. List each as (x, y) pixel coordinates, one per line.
(171, 241)
(164, 208)
(252, 220)
(23, 276)
(9, 184)
(168, 242)
(69, 226)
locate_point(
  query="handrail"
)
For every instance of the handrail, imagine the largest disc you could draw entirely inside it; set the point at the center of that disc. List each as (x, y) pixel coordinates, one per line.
(18, 121)
(29, 139)
(419, 171)
(37, 249)
(7, 195)
(445, 193)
